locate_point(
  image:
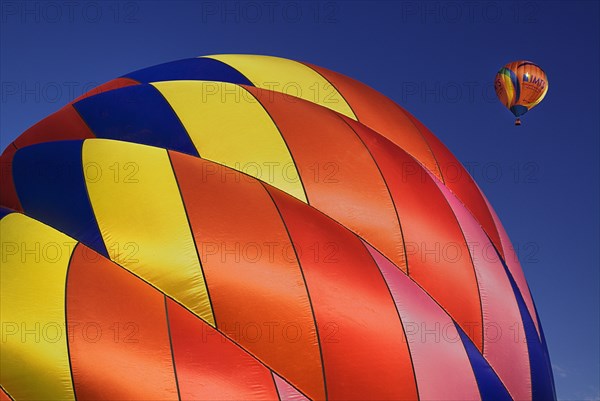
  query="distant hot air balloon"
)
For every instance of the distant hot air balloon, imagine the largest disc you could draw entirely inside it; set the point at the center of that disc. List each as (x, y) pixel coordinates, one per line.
(520, 86)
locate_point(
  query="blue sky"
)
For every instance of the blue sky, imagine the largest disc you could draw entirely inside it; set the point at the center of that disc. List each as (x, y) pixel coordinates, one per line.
(437, 59)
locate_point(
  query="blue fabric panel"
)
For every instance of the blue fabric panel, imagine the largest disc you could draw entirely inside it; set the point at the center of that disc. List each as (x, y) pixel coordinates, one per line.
(199, 69)
(49, 180)
(542, 381)
(138, 114)
(490, 386)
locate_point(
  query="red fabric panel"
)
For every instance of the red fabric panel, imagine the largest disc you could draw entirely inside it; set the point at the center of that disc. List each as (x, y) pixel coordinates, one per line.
(118, 333)
(210, 366)
(338, 173)
(365, 353)
(460, 182)
(392, 121)
(504, 342)
(254, 281)
(383, 115)
(105, 87)
(438, 258)
(63, 125)
(8, 192)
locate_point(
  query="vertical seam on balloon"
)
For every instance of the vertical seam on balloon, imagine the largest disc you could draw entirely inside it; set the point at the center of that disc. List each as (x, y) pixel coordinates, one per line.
(6, 392)
(437, 164)
(334, 87)
(187, 218)
(282, 138)
(462, 233)
(305, 285)
(386, 187)
(67, 320)
(171, 346)
(412, 362)
(177, 118)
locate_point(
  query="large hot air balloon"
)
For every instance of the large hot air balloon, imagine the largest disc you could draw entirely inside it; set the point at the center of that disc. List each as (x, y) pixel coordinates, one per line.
(240, 227)
(520, 86)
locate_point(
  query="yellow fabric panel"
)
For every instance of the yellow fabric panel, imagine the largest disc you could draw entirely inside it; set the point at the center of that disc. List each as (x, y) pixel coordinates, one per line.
(510, 90)
(229, 126)
(35, 259)
(136, 201)
(288, 76)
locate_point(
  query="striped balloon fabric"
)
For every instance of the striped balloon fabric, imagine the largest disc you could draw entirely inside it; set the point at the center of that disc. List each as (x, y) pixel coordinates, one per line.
(240, 227)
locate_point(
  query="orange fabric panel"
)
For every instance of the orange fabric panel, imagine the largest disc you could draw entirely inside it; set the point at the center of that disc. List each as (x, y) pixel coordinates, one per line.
(210, 366)
(65, 124)
(252, 275)
(438, 257)
(8, 192)
(383, 115)
(338, 173)
(365, 352)
(108, 86)
(118, 333)
(460, 182)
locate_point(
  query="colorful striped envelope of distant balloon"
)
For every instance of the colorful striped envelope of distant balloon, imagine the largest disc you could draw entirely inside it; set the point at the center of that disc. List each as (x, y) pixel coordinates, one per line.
(520, 86)
(239, 227)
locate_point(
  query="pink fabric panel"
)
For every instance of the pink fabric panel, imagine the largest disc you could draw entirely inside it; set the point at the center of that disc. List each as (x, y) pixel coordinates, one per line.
(441, 364)
(286, 391)
(514, 266)
(504, 344)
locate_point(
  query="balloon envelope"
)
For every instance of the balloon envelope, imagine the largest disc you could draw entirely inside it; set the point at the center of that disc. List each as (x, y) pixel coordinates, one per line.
(251, 227)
